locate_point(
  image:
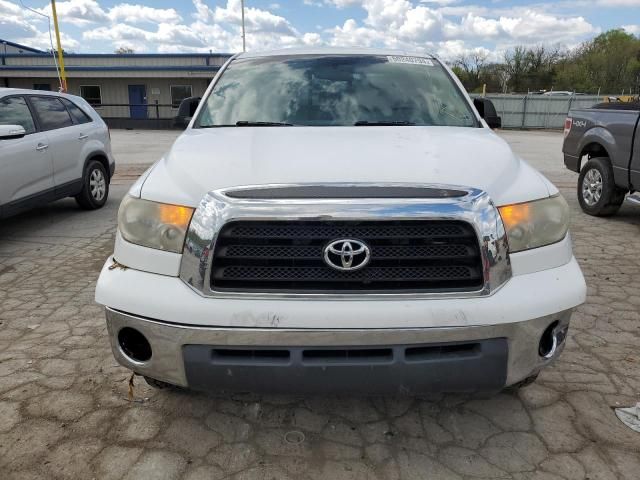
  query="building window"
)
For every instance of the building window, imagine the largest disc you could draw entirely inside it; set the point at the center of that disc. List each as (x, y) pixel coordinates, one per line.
(42, 86)
(92, 94)
(179, 93)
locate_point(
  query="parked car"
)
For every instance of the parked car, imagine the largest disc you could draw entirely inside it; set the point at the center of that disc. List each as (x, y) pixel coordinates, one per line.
(52, 146)
(609, 137)
(365, 231)
(560, 93)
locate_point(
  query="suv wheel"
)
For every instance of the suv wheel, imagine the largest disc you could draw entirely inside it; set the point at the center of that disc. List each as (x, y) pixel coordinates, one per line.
(95, 187)
(598, 194)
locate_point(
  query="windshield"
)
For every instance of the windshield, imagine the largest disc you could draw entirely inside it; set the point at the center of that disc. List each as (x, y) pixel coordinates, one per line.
(335, 90)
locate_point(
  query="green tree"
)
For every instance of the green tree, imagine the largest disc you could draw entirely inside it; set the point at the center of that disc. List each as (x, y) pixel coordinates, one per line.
(609, 63)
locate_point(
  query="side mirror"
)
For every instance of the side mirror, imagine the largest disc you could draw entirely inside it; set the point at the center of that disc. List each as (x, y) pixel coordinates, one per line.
(487, 110)
(9, 132)
(186, 110)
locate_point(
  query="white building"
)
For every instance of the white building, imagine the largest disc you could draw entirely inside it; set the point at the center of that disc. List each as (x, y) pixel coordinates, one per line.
(128, 90)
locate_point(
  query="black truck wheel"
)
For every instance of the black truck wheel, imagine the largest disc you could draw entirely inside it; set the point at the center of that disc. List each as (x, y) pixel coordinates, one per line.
(598, 194)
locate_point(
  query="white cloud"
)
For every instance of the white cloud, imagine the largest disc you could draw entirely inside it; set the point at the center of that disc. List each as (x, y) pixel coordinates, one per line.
(534, 25)
(43, 41)
(78, 12)
(337, 3)
(312, 39)
(256, 20)
(446, 27)
(441, 2)
(475, 26)
(129, 13)
(420, 23)
(633, 29)
(351, 34)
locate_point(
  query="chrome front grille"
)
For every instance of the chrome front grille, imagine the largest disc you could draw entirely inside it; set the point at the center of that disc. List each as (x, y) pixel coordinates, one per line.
(268, 242)
(406, 256)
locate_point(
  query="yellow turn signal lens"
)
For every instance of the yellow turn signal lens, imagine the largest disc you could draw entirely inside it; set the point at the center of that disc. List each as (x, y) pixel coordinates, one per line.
(512, 215)
(175, 215)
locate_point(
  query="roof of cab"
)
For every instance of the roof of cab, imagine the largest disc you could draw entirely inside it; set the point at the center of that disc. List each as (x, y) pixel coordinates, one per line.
(333, 51)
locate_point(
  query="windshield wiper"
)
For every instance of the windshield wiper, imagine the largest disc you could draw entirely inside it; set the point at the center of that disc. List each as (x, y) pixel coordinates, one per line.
(388, 123)
(247, 123)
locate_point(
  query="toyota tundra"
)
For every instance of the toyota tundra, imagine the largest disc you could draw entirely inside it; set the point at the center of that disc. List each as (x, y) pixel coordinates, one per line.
(340, 220)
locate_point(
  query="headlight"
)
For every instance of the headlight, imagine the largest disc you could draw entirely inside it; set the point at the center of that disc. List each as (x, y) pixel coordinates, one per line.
(535, 224)
(154, 225)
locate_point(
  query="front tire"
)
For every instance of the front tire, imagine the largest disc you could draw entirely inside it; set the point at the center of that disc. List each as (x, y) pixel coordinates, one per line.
(95, 187)
(598, 194)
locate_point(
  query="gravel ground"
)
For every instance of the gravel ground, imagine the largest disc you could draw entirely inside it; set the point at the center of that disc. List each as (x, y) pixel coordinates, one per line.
(65, 412)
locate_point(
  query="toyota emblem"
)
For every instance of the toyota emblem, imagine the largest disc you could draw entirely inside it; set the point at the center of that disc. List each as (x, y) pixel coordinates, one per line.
(347, 255)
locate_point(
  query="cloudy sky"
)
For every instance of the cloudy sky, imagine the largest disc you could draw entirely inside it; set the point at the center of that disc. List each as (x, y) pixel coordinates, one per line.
(446, 27)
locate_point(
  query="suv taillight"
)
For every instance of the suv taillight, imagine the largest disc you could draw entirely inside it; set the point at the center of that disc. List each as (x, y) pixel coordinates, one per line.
(567, 126)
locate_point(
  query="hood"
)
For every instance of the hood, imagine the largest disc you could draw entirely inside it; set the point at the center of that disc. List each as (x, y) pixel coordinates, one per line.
(208, 159)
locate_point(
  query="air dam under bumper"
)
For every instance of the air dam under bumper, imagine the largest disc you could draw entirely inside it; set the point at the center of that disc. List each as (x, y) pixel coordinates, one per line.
(364, 361)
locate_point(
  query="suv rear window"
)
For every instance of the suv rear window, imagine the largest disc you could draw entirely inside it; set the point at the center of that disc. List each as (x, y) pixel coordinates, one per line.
(51, 113)
(14, 111)
(76, 112)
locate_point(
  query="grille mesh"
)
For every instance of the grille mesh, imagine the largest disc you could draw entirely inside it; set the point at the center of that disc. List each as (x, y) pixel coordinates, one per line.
(405, 256)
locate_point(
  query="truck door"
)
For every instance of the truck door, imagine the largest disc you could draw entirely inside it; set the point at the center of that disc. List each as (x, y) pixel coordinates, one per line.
(635, 159)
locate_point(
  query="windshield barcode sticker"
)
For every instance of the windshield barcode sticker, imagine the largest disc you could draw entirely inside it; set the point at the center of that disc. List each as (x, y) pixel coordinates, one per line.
(411, 60)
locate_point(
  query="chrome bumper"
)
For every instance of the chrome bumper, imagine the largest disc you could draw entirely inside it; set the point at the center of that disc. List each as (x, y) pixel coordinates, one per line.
(168, 342)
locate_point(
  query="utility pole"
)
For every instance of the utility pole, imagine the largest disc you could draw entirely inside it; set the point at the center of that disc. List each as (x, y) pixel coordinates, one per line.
(63, 75)
(244, 39)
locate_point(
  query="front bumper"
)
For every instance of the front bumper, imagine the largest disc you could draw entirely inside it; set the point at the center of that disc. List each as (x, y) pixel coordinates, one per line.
(389, 360)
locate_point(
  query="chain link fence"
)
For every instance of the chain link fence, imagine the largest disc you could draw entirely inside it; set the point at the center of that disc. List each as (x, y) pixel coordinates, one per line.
(538, 111)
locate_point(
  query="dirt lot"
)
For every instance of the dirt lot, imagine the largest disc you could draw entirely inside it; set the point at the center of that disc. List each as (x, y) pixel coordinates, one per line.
(64, 411)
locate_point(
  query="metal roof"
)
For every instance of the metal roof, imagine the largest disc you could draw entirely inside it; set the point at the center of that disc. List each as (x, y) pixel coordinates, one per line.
(107, 68)
(119, 55)
(22, 47)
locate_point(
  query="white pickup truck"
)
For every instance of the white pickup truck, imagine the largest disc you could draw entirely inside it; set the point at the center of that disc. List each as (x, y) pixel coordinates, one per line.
(340, 220)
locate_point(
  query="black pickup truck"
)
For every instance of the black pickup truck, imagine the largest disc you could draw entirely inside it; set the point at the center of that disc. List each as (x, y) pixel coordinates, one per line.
(609, 137)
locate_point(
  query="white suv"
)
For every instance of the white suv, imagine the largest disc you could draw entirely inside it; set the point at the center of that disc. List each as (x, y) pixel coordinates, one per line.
(340, 220)
(51, 146)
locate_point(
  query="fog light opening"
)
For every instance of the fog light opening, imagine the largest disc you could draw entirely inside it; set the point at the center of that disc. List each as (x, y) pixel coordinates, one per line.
(134, 344)
(551, 339)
